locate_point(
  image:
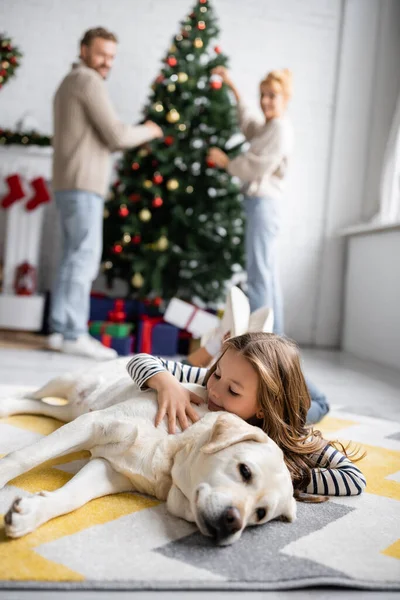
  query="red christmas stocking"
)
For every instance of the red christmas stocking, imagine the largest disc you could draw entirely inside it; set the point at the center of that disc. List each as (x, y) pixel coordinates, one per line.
(41, 194)
(16, 192)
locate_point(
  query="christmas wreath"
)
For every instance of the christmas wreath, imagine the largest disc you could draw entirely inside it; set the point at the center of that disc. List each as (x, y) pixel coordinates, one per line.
(9, 59)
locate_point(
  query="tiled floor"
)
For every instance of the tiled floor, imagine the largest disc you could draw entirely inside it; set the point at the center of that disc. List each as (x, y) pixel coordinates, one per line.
(358, 386)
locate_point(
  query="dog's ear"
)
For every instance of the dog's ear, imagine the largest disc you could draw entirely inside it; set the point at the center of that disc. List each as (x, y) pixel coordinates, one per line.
(230, 429)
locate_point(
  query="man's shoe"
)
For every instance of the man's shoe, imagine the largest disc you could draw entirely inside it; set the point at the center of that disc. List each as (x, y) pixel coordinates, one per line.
(85, 345)
(54, 341)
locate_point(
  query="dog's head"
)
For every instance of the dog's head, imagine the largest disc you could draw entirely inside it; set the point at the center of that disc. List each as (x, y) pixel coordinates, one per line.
(239, 478)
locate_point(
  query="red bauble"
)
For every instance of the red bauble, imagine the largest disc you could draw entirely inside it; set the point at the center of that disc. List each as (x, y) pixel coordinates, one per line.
(217, 49)
(203, 1)
(117, 249)
(3, 73)
(134, 197)
(13, 60)
(216, 84)
(210, 163)
(158, 178)
(201, 25)
(160, 78)
(157, 202)
(154, 163)
(169, 140)
(135, 166)
(171, 60)
(192, 15)
(123, 211)
(136, 239)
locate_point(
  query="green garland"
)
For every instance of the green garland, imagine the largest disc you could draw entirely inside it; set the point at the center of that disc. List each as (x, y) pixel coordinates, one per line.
(30, 138)
(9, 59)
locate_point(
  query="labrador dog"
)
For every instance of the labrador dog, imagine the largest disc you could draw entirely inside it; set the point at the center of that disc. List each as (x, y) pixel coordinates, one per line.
(221, 473)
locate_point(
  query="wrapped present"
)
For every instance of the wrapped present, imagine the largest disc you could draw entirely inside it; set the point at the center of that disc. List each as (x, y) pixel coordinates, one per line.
(154, 336)
(123, 346)
(102, 306)
(117, 314)
(189, 317)
(151, 308)
(118, 330)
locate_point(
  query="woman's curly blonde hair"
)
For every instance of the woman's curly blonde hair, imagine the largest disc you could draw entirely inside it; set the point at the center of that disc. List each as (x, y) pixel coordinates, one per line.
(282, 78)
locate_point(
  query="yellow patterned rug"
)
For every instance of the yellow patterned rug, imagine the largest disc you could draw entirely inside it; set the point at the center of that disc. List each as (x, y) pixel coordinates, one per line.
(128, 541)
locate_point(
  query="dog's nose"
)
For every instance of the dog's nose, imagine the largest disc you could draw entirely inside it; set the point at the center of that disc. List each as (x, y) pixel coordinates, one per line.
(230, 522)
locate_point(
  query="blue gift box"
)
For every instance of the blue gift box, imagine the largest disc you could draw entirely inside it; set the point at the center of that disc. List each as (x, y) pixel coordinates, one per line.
(123, 346)
(164, 339)
(100, 306)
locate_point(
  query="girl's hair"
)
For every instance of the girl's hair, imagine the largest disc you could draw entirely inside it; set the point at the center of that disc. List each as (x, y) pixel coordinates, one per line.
(282, 78)
(283, 397)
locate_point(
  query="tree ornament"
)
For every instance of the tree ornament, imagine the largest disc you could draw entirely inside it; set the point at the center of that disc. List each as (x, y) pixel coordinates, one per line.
(201, 25)
(123, 211)
(147, 184)
(158, 178)
(134, 197)
(203, 9)
(182, 127)
(107, 265)
(159, 78)
(173, 116)
(173, 49)
(179, 37)
(143, 152)
(158, 107)
(198, 43)
(172, 185)
(216, 84)
(183, 77)
(157, 202)
(127, 238)
(137, 280)
(189, 189)
(169, 140)
(117, 248)
(106, 213)
(162, 243)
(217, 49)
(135, 166)
(145, 215)
(171, 61)
(171, 87)
(203, 1)
(136, 239)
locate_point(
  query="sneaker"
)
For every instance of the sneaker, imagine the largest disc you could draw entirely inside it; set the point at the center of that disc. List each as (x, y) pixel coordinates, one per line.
(85, 345)
(54, 341)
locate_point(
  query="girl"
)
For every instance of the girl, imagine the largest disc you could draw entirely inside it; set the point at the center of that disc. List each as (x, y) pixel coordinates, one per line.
(259, 378)
(262, 169)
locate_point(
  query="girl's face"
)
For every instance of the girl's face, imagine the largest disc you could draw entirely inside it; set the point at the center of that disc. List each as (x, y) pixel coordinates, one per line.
(272, 101)
(233, 386)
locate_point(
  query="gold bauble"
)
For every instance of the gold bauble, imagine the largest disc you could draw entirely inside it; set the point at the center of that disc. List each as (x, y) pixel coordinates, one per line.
(172, 185)
(137, 280)
(162, 243)
(145, 215)
(106, 213)
(25, 139)
(183, 77)
(158, 107)
(179, 37)
(189, 189)
(5, 64)
(107, 265)
(203, 9)
(147, 183)
(171, 87)
(143, 152)
(182, 127)
(173, 116)
(173, 49)
(127, 238)
(198, 43)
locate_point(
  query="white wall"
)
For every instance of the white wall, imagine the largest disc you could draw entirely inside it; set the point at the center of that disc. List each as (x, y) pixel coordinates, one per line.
(372, 300)
(333, 48)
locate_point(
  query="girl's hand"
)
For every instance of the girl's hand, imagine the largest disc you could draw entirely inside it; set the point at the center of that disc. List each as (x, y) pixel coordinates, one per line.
(174, 401)
(218, 157)
(223, 73)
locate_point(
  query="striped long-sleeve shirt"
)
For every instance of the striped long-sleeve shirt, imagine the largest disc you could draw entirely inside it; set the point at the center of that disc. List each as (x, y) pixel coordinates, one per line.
(333, 474)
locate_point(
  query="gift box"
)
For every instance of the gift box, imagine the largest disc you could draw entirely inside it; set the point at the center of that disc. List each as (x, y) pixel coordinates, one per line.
(154, 336)
(103, 308)
(123, 346)
(118, 330)
(189, 317)
(151, 308)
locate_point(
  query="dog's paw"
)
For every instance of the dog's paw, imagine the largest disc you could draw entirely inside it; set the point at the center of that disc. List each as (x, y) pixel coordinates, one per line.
(24, 516)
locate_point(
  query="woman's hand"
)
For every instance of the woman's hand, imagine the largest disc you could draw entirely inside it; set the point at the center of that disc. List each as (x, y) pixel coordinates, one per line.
(174, 401)
(218, 157)
(224, 74)
(156, 130)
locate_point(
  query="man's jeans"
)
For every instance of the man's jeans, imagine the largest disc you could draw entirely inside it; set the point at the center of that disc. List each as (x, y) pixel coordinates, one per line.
(263, 286)
(81, 215)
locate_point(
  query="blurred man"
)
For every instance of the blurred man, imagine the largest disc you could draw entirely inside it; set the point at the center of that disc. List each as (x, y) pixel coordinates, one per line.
(86, 131)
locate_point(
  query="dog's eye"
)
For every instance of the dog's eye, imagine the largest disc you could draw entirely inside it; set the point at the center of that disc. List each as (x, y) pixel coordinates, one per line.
(260, 512)
(245, 472)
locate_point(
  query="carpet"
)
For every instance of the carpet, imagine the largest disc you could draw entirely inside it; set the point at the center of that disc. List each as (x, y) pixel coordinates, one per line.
(128, 541)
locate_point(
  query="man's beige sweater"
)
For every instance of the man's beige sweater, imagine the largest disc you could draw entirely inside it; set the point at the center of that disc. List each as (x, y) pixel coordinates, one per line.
(86, 131)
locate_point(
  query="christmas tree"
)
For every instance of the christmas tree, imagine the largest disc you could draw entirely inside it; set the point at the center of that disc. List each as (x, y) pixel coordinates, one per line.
(173, 222)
